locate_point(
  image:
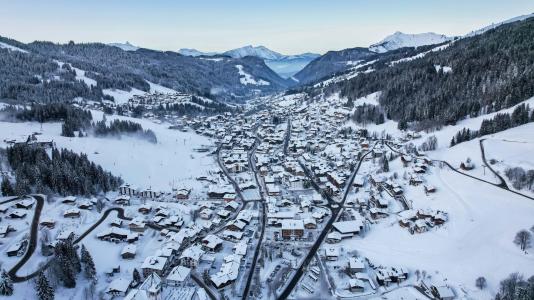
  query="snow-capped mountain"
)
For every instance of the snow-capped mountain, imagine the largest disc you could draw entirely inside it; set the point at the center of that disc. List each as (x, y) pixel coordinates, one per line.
(194, 52)
(401, 40)
(284, 65)
(125, 46)
(258, 51)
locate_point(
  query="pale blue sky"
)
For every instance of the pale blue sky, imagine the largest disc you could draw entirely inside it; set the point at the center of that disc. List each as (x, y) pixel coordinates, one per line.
(290, 26)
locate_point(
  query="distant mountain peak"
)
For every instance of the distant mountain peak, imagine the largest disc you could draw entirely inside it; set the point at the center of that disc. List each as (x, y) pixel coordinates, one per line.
(125, 46)
(399, 40)
(257, 51)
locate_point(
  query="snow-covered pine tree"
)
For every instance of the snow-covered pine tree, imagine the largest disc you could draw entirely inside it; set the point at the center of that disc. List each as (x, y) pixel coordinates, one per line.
(88, 264)
(6, 284)
(43, 288)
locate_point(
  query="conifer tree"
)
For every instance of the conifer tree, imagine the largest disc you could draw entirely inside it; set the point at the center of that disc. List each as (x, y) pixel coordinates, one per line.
(6, 284)
(44, 290)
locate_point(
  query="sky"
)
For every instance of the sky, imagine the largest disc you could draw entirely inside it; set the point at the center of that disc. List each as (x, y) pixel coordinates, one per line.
(286, 26)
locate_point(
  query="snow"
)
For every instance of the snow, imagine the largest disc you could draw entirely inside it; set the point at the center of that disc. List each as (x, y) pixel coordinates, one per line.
(156, 88)
(401, 40)
(80, 75)
(195, 52)
(11, 48)
(170, 162)
(420, 55)
(371, 99)
(246, 78)
(120, 96)
(257, 51)
(444, 69)
(126, 46)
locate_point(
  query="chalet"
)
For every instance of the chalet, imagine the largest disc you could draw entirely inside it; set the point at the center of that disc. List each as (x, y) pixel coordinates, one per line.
(118, 287)
(148, 193)
(25, 204)
(348, 227)
(377, 213)
(223, 213)
(129, 251)
(122, 200)
(356, 285)
(151, 289)
(154, 264)
(191, 256)
(331, 253)
(69, 200)
(292, 229)
(4, 208)
(211, 243)
(310, 223)
(406, 159)
(334, 237)
(5, 230)
(86, 204)
(113, 234)
(137, 225)
(231, 206)
(16, 249)
(65, 235)
(178, 276)
(228, 272)
(145, 209)
(183, 194)
(356, 265)
(48, 223)
(467, 165)
(233, 236)
(430, 189)
(443, 292)
(236, 225)
(72, 213)
(127, 190)
(206, 213)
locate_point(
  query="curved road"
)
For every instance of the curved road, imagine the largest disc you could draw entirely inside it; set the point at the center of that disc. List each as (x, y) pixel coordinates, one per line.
(503, 182)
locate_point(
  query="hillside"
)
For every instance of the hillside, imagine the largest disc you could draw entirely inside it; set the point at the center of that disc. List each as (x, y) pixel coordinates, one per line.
(110, 67)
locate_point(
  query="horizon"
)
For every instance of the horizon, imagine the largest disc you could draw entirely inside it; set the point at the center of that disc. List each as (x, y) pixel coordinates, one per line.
(210, 26)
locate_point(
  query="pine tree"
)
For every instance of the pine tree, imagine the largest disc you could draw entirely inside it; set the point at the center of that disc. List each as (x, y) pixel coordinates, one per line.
(136, 276)
(6, 284)
(6, 187)
(44, 290)
(385, 165)
(88, 263)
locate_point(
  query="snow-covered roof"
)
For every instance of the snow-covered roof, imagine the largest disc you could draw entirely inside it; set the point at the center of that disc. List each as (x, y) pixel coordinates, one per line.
(178, 274)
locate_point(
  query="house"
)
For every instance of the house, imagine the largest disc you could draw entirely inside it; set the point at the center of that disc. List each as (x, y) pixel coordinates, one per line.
(119, 287)
(348, 227)
(310, 223)
(228, 272)
(292, 228)
(16, 248)
(191, 256)
(122, 200)
(154, 264)
(356, 265)
(236, 225)
(17, 214)
(145, 209)
(72, 213)
(443, 292)
(5, 230)
(25, 204)
(356, 285)
(178, 276)
(150, 289)
(331, 253)
(183, 194)
(467, 165)
(69, 200)
(211, 243)
(137, 225)
(113, 234)
(430, 189)
(128, 252)
(231, 206)
(334, 237)
(127, 190)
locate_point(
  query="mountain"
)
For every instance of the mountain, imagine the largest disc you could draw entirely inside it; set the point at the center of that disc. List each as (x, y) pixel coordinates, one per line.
(61, 72)
(441, 85)
(402, 40)
(126, 46)
(284, 65)
(332, 62)
(195, 52)
(258, 51)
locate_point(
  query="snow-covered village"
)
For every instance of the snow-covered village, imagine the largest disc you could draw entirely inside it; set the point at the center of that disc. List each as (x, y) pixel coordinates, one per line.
(402, 170)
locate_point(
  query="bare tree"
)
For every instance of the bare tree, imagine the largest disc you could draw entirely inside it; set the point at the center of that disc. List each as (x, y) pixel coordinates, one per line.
(523, 239)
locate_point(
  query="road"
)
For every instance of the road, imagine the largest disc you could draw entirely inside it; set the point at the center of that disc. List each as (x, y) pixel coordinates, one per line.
(34, 233)
(464, 174)
(315, 247)
(252, 271)
(503, 182)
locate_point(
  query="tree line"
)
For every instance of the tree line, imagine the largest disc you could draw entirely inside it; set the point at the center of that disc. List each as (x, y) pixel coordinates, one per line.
(500, 122)
(64, 172)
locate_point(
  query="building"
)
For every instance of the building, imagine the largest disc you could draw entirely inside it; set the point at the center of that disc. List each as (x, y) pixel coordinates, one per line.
(191, 256)
(154, 264)
(118, 287)
(292, 228)
(178, 276)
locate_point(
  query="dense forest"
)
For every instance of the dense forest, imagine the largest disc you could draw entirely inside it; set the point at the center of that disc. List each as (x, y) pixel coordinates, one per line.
(117, 128)
(489, 72)
(63, 172)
